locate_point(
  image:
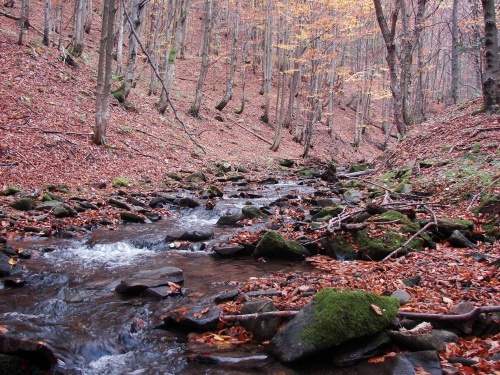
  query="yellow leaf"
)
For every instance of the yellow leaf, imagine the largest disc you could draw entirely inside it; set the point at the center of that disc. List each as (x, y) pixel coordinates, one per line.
(12, 261)
(376, 309)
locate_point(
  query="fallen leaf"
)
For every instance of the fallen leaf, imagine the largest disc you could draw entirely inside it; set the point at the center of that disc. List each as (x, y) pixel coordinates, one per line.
(376, 309)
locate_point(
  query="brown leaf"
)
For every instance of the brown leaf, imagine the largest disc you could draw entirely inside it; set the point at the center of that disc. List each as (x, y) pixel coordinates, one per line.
(376, 309)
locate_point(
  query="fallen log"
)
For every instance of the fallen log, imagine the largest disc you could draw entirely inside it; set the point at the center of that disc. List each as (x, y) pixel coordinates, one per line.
(356, 174)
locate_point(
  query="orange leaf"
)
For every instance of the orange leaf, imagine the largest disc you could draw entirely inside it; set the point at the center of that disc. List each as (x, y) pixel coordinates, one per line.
(377, 310)
(183, 309)
(3, 329)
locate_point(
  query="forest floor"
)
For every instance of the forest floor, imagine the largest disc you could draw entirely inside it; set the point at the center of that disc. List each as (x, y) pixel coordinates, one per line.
(47, 116)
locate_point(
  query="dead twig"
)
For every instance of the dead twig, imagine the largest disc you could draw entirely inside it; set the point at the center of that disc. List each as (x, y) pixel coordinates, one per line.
(477, 131)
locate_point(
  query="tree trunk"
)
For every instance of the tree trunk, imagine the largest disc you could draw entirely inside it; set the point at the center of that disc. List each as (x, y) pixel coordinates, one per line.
(23, 20)
(406, 63)
(244, 53)
(419, 112)
(46, 24)
(119, 45)
(330, 119)
(389, 35)
(454, 53)
(153, 80)
(195, 108)
(268, 62)
(491, 84)
(79, 28)
(232, 63)
(88, 17)
(104, 74)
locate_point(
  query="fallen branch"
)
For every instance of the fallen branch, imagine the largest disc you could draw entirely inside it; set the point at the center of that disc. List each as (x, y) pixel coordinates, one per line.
(167, 94)
(356, 174)
(139, 152)
(449, 318)
(8, 15)
(248, 317)
(252, 132)
(476, 197)
(408, 242)
(477, 131)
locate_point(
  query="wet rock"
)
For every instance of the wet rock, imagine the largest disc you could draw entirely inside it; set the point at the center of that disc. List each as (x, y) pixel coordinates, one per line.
(412, 281)
(463, 361)
(402, 364)
(142, 280)
(117, 203)
(331, 319)
(361, 349)
(327, 213)
(262, 293)
(230, 251)
(11, 365)
(155, 202)
(161, 292)
(196, 235)
(269, 181)
(150, 215)
(328, 202)
(131, 217)
(230, 219)
(353, 196)
(464, 307)
(196, 177)
(213, 191)
(457, 239)
(14, 283)
(288, 163)
(61, 212)
(224, 167)
(33, 350)
(47, 206)
(446, 336)
(402, 295)
(186, 202)
(42, 232)
(5, 268)
(263, 329)
(135, 202)
(417, 342)
(339, 248)
(272, 244)
(252, 212)
(446, 226)
(196, 318)
(227, 296)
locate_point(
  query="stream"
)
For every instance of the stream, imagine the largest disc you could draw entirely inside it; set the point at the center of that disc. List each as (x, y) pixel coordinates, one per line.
(69, 301)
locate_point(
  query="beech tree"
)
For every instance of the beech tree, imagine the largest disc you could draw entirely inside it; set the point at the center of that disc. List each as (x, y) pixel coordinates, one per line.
(104, 71)
(491, 84)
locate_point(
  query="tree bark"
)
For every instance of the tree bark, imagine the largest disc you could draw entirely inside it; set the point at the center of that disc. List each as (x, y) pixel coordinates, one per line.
(79, 28)
(454, 53)
(195, 108)
(104, 74)
(23, 20)
(389, 35)
(491, 84)
(46, 24)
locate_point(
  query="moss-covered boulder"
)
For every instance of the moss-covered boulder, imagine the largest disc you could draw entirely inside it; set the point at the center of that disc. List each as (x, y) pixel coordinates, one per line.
(447, 225)
(224, 167)
(252, 212)
(288, 163)
(309, 173)
(231, 219)
(327, 213)
(489, 210)
(11, 190)
(378, 247)
(24, 204)
(196, 177)
(119, 182)
(174, 176)
(332, 318)
(339, 248)
(397, 218)
(273, 245)
(213, 191)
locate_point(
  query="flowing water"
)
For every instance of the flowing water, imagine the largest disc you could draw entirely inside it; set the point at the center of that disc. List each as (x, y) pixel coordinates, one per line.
(70, 303)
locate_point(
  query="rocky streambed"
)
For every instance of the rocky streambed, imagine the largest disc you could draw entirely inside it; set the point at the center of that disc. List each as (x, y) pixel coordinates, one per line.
(152, 280)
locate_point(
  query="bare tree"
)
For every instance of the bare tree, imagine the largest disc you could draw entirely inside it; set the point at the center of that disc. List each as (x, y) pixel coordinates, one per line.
(46, 24)
(491, 84)
(78, 40)
(104, 73)
(454, 53)
(23, 20)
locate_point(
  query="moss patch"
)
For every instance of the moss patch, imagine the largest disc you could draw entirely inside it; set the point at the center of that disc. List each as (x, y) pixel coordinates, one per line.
(377, 248)
(272, 244)
(342, 315)
(24, 204)
(119, 182)
(327, 213)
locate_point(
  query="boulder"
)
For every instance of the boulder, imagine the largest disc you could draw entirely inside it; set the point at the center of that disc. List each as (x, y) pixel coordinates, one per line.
(196, 235)
(252, 212)
(402, 364)
(361, 349)
(157, 201)
(196, 177)
(327, 213)
(24, 204)
(119, 182)
(447, 225)
(131, 217)
(230, 219)
(213, 191)
(402, 295)
(230, 250)
(230, 295)
(417, 342)
(263, 329)
(194, 318)
(339, 248)
(328, 202)
(332, 318)
(273, 245)
(353, 196)
(288, 163)
(135, 202)
(187, 202)
(35, 351)
(378, 247)
(457, 239)
(145, 279)
(117, 203)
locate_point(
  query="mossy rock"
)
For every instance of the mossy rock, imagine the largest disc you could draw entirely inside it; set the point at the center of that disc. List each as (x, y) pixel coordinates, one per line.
(358, 168)
(46, 198)
(327, 213)
(287, 163)
(339, 248)
(174, 176)
(242, 169)
(335, 316)
(311, 173)
(391, 216)
(119, 182)
(230, 219)
(50, 187)
(490, 207)
(214, 191)
(55, 197)
(493, 229)
(273, 245)
(11, 190)
(24, 204)
(377, 248)
(196, 177)
(61, 212)
(447, 225)
(353, 184)
(234, 177)
(252, 212)
(131, 217)
(224, 167)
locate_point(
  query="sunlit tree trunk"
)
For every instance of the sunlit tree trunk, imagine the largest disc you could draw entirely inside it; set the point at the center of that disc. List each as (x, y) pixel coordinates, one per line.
(244, 53)
(119, 44)
(153, 80)
(104, 73)
(268, 62)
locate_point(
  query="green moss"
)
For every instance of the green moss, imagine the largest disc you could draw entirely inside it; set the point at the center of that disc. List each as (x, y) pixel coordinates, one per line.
(273, 244)
(353, 184)
(24, 204)
(377, 248)
(341, 315)
(309, 173)
(252, 212)
(171, 56)
(46, 198)
(327, 213)
(12, 190)
(119, 182)
(214, 191)
(339, 248)
(479, 111)
(392, 216)
(358, 168)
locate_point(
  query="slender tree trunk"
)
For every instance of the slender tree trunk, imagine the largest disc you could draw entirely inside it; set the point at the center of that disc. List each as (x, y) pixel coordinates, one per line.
(232, 63)
(244, 53)
(195, 108)
(268, 62)
(153, 80)
(454, 53)
(104, 72)
(419, 95)
(46, 24)
(79, 28)
(389, 35)
(119, 44)
(23, 20)
(185, 27)
(491, 84)
(299, 132)
(406, 63)
(88, 17)
(330, 119)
